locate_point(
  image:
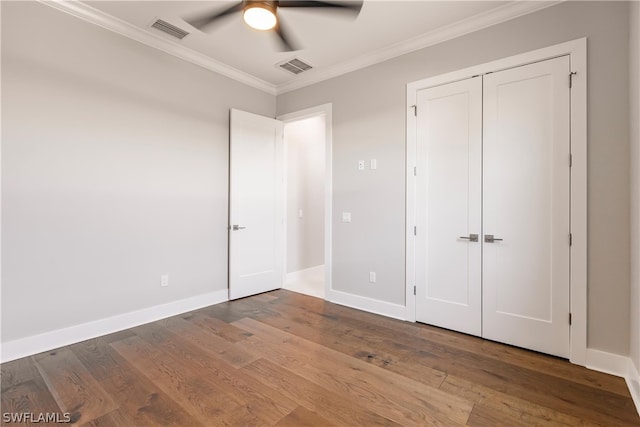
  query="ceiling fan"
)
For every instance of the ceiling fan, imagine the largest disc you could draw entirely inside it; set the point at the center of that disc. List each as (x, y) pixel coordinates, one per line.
(263, 15)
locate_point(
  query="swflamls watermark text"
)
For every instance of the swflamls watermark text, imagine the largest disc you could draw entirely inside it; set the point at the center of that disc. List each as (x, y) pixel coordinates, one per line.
(34, 418)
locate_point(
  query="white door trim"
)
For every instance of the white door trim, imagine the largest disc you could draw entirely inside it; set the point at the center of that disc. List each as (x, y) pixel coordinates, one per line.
(577, 51)
(326, 110)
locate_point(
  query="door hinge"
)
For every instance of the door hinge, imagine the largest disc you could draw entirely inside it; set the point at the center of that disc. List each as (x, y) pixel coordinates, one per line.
(570, 160)
(569, 318)
(415, 172)
(571, 74)
(415, 230)
(570, 239)
(415, 110)
(414, 290)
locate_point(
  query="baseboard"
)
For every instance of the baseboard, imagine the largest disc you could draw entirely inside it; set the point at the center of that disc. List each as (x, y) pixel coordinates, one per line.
(305, 281)
(633, 382)
(621, 366)
(305, 274)
(28, 346)
(368, 304)
(609, 363)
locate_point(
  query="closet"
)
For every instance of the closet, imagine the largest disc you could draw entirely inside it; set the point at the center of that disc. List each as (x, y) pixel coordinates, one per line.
(492, 206)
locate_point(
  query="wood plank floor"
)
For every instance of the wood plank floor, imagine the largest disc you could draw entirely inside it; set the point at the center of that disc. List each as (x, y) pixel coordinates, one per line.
(285, 359)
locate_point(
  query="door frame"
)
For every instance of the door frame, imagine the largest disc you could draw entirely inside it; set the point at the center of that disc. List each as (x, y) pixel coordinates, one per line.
(577, 52)
(326, 111)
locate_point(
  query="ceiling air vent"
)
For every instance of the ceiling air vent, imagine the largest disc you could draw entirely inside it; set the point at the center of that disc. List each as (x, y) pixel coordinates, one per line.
(296, 66)
(170, 29)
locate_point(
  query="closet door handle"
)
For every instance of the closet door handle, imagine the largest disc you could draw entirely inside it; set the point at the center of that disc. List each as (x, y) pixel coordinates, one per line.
(488, 238)
(471, 237)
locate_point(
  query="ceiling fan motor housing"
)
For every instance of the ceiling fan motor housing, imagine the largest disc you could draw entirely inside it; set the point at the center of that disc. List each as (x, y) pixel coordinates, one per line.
(260, 15)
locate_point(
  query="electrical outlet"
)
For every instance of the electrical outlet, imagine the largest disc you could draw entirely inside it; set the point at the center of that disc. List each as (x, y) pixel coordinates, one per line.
(360, 165)
(346, 216)
(164, 280)
(372, 277)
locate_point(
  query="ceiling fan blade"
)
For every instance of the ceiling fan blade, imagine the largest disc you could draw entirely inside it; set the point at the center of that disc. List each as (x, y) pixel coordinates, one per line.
(203, 20)
(287, 44)
(347, 6)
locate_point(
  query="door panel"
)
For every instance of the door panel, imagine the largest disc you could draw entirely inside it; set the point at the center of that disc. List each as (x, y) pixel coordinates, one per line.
(256, 248)
(448, 267)
(526, 204)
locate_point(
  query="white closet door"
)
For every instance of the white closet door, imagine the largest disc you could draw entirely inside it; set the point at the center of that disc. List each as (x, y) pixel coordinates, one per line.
(448, 210)
(526, 205)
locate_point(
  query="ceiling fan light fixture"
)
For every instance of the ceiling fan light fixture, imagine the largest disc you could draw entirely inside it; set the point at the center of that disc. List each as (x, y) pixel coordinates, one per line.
(261, 16)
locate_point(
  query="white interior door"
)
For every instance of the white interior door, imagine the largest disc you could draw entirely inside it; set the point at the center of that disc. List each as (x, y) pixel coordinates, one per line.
(526, 206)
(256, 206)
(448, 209)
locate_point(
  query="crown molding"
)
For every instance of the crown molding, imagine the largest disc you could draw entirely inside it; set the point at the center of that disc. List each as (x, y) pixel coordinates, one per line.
(90, 14)
(483, 20)
(495, 16)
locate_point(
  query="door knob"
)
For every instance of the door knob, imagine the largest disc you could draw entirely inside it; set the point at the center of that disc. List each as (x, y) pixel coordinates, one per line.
(236, 227)
(471, 237)
(488, 238)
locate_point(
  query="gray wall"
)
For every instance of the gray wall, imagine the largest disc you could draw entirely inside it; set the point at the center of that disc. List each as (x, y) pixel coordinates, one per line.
(114, 171)
(305, 146)
(369, 122)
(634, 49)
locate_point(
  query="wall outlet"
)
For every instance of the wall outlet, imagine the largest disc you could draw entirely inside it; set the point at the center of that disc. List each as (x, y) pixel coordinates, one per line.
(360, 165)
(346, 216)
(372, 277)
(164, 280)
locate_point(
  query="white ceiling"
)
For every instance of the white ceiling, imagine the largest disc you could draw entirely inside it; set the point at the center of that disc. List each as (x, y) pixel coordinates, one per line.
(331, 43)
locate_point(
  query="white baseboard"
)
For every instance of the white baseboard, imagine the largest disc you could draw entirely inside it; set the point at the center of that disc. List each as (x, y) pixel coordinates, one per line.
(34, 344)
(368, 304)
(633, 382)
(621, 366)
(305, 274)
(309, 281)
(609, 363)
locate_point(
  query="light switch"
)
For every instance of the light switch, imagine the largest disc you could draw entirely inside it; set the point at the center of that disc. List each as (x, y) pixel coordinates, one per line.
(346, 216)
(360, 165)
(373, 164)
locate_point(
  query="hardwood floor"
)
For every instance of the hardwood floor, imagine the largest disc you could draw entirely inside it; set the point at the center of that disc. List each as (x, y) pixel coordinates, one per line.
(285, 359)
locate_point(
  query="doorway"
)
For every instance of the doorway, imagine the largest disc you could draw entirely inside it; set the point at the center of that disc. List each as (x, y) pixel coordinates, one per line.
(307, 146)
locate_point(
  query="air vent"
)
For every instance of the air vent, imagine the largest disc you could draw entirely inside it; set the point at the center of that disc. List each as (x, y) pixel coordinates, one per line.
(296, 66)
(170, 29)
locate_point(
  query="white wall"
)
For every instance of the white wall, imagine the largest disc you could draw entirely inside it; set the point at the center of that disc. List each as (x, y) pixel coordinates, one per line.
(634, 49)
(369, 122)
(114, 171)
(305, 148)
